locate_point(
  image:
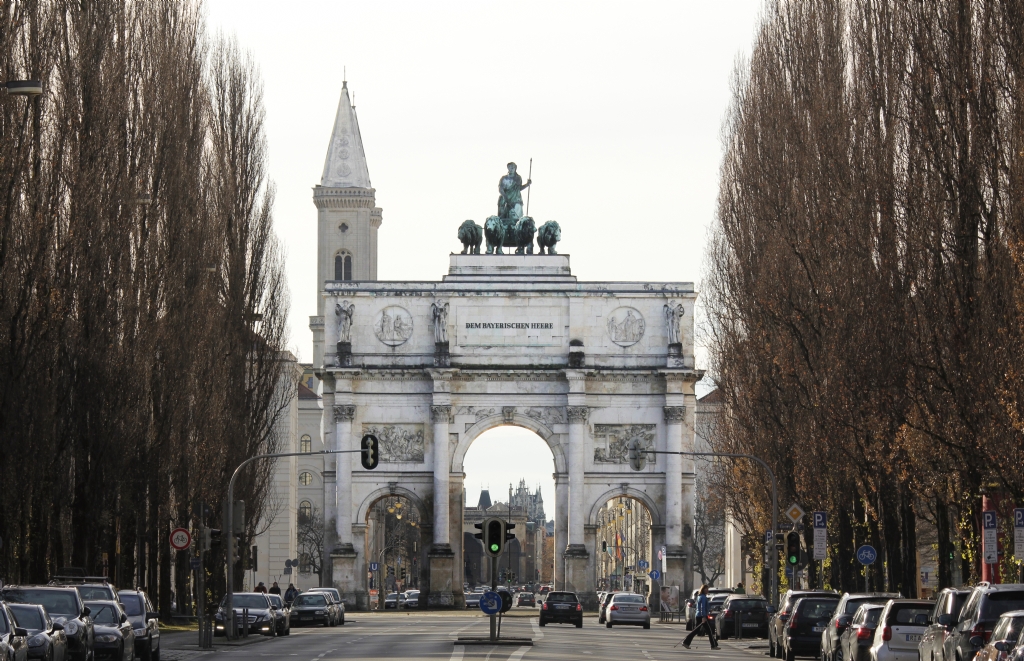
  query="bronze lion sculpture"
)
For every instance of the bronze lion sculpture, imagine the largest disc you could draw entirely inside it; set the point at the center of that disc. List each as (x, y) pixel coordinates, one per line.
(471, 235)
(495, 233)
(524, 231)
(547, 236)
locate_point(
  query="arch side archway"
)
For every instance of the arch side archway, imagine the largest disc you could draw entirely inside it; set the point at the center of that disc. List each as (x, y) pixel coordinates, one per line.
(548, 435)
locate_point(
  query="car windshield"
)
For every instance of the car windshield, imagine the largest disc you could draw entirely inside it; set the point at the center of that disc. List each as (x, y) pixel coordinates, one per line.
(310, 600)
(1008, 628)
(393, 595)
(997, 603)
(56, 602)
(249, 601)
(817, 609)
(868, 616)
(562, 598)
(95, 593)
(275, 600)
(748, 605)
(103, 613)
(912, 614)
(132, 604)
(629, 599)
(28, 617)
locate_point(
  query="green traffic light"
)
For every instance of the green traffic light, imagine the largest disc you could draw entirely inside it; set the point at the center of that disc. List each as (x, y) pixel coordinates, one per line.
(494, 548)
(792, 560)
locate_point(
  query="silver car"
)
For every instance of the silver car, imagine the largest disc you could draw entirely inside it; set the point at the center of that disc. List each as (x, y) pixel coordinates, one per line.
(626, 608)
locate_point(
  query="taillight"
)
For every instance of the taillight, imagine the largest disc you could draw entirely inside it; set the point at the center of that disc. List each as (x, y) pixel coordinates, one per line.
(725, 613)
(792, 622)
(613, 607)
(886, 633)
(863, 633)
(579, 607)
(643, 609)
(544, 606)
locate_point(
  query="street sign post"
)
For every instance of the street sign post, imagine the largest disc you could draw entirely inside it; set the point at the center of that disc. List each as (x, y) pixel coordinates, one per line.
(795, 513)
(195, 563)
(181, 539)
(643, 564)
(990, 538)
(490, 603)
(1018, 533)
(866, 555)
(374, 566)
(820, 535)
(655, 574)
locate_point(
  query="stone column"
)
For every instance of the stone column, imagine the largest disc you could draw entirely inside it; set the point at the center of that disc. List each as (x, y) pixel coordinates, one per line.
(576, 556)
(676, 528)
(344, 559)
(561, 527)
(329, 476)
(330, 334)
(362, 593)
(441, 558)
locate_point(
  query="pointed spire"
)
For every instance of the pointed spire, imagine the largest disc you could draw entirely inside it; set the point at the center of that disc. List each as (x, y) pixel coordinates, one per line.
(345, 166)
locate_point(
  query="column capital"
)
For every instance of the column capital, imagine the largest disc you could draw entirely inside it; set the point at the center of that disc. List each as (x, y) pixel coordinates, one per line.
(343, 412)
(577, 413)
(675, 413)
(441, 413)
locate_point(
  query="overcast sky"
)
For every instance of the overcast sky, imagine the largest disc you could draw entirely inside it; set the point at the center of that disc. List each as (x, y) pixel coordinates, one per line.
(620, 105)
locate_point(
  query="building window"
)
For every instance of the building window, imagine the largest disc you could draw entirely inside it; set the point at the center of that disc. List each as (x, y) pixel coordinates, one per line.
(305, 563)
(343, 267)
(305, 443)
(305, 509)
(305, 478)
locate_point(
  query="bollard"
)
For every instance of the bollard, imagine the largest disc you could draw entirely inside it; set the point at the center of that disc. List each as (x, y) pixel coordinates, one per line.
(245, 622)
(737, 622)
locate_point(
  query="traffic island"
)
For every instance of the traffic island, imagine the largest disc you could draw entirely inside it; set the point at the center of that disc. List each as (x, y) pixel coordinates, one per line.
(484, 640)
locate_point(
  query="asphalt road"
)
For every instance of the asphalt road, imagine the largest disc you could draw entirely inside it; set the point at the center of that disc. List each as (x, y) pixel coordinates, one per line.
(431, 636)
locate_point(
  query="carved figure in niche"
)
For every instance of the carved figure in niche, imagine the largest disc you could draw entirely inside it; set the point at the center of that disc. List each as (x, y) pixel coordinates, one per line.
(393, 326)
(439, 311)
(674, 318)
(344, 311)
(494, 230)
(547, 236)
(510, 199)
(627, 331)
(471, 235)
(524, 231)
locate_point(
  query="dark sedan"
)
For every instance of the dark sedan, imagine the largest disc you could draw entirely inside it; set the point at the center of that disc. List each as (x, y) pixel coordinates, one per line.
(564, 607)
(66, 607)
(256, 605)
(145, 623)
(282, 615)
(46, 638)
(13, 638)
(749, 613)
(855, 642)
(802, 635)
(310, 608)
(114, 638)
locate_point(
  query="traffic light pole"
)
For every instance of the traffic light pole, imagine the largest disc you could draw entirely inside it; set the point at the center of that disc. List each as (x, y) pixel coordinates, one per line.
(231, 631)
(774, 552)
(494, 588)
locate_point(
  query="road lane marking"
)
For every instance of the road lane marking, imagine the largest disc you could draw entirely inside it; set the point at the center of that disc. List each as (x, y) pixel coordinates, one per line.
(518, 654)
(536, 629)
(458, 652)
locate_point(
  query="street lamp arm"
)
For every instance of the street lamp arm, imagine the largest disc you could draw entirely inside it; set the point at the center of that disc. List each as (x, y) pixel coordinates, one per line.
(773, 552)
(229, 524)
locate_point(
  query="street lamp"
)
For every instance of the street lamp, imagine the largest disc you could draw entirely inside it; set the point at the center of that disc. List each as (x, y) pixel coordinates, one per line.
(29, 88)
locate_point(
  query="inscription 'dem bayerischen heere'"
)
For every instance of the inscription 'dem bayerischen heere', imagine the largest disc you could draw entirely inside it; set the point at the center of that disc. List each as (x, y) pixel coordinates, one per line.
(526, 325)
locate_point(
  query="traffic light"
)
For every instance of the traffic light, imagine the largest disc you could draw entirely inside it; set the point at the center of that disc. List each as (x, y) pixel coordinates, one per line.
(493, 537)
(253, 558)
(403, 573)
(509, 536)
(604, 546)
(370, 455)
(637, 455)
(211, 537)
(238, 517)
(793, 548)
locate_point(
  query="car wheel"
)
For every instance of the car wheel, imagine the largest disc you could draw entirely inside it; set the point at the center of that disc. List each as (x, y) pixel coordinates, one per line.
(542, 623)
(579, 625)
(790, 656)
(327, 621)
(342, 620)
(147, 654)
(647, 625)
(838, 654)
(608, 624)
(771, 648)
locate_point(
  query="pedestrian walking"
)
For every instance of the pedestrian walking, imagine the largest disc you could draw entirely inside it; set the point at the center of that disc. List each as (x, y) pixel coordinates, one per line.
(275, 589)
(261, 588)
(290, 594)
(703, 621)
(740, 589)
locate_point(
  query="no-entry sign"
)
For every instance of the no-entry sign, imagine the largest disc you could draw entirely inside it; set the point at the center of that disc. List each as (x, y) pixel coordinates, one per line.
(181, 539)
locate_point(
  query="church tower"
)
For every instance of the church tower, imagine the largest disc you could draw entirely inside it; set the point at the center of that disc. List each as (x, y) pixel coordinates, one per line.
(347, 215)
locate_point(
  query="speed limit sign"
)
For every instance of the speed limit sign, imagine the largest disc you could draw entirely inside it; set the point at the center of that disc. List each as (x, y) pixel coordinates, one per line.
(181, 539)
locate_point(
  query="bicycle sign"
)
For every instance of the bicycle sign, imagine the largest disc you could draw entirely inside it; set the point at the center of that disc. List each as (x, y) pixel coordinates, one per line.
(181, 539)
(866, 555)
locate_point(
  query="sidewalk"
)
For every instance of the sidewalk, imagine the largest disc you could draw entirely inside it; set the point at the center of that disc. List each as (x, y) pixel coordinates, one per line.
(184, 645)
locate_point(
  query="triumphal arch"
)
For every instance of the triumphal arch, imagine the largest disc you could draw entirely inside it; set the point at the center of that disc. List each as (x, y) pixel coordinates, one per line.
(507, 339)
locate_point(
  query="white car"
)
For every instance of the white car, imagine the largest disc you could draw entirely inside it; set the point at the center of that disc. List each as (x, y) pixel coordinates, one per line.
(899, 630)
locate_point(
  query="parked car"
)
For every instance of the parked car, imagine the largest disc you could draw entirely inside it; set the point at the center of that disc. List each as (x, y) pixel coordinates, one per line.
(310, 608)
(941, 622)
(473, 599)
(391, 601)
(412, 599)
(978, 618)
(1004, 637)
(602, 606)
(900, 628)
(145, 622)
(848, 605)
(855, 643)
(627, 608)
(777, 621)
(690, 606)
(13, 637)
(562, 607)
(66, 607)
(1017, 653)
(806, 623)
(261, 617)
(46, 638)
(282, 615)
(526, 599)
(335, 605)
(91, 588)
(715, 603)
(750, 611)
(114, 638)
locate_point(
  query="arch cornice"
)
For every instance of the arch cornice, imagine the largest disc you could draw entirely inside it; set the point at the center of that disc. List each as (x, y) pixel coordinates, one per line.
(657, 516)
(504, 419)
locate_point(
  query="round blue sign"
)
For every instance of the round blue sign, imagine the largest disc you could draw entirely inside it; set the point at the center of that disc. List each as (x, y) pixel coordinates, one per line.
(866, 555)
(643, 564)
(655, 574)
(490, 603)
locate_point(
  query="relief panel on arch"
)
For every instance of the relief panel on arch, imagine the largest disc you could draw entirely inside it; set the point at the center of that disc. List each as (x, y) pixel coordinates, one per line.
(611, 442)
(399, 443)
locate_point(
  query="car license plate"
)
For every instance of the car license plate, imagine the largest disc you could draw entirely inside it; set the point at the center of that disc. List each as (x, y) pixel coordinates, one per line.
(561, 606)
(628, 609)
(750, 625)
(913, 637)
(817, 629)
